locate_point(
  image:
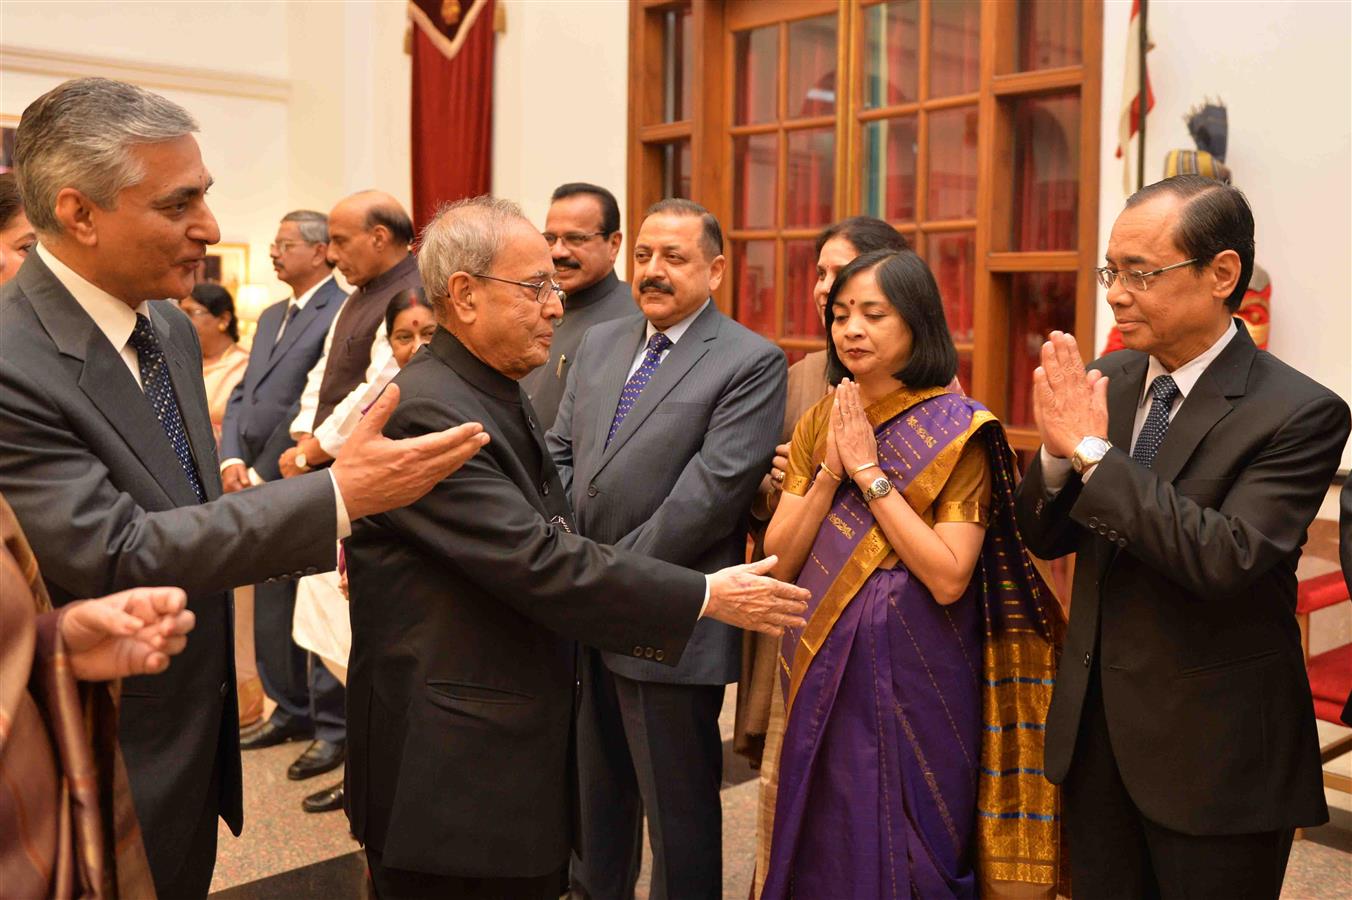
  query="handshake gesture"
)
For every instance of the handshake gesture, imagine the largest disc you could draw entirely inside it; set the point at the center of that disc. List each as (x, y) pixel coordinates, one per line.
(747, 597)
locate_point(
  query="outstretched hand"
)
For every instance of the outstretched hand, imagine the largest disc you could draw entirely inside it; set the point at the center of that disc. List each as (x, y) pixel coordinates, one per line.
(747, 597)
(376, 474)
(1069, 403)
(128, 633)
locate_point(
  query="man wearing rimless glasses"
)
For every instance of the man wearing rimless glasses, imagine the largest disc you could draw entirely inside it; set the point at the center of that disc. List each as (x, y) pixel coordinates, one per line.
(582, 229)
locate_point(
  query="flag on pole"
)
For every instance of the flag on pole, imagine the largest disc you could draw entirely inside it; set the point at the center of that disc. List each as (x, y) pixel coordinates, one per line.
(1130, 122)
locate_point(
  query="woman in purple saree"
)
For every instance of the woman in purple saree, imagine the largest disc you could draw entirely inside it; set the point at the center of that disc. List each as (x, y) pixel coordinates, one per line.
(917, 692)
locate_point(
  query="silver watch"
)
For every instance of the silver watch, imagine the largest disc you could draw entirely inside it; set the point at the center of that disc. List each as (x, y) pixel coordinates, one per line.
(879, 487)
(1089, 452)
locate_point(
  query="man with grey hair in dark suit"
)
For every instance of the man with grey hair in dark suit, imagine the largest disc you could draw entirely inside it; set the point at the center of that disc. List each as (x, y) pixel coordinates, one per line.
(107, 454)
(665, 428)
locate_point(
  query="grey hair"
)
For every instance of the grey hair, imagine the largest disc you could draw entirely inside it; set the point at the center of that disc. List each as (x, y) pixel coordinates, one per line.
(80, 135)
(313, 226)
(464, 236)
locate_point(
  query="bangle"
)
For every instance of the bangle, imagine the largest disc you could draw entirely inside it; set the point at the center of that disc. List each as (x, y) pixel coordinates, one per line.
(857, 469)
(825, 468)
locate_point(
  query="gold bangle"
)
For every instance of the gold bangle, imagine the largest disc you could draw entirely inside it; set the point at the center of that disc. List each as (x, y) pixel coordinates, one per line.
(857, 469)
(828, 471)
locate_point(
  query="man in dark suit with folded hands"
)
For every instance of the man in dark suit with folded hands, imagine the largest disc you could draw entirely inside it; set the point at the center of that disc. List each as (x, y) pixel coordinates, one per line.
(1184, 472)
(108, 457)
(466, 605)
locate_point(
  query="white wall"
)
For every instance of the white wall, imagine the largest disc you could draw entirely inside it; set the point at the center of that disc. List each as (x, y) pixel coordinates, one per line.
(560, 100)
(1282, 71)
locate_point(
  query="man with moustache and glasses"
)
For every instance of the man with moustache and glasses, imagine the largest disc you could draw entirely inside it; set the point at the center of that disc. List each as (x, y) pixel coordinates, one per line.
(666, 425)
(582, 229)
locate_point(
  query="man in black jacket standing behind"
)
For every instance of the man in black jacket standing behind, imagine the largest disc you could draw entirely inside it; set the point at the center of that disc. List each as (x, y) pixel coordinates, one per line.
(466, 606)
(1184, 472)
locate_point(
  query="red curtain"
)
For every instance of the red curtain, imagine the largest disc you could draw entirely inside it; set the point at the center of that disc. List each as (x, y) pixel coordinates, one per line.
(452, 104)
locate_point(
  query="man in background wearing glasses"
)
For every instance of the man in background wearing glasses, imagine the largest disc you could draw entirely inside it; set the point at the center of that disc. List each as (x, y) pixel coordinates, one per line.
(582, 229)
(1183, 471)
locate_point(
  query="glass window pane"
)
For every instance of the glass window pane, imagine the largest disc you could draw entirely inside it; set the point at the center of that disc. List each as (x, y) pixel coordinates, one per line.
(1045, 212)
(753, 263)
(955, 47)
(1049, 34)
(891, 53)
(800, 277)
(965, 371)
(952, 164)
(812, 181)
(952, 258)
(888, 173)
(812, 67)
(676, 169)
(678, 64)
(755, 163)
(757, 55)
(1039, 302)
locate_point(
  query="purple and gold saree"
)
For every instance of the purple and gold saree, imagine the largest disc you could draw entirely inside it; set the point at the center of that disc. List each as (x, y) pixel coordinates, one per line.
(911, 760)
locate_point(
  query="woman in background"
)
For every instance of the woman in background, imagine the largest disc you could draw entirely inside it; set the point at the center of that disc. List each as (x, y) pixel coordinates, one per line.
(16, 234)
(223, 360)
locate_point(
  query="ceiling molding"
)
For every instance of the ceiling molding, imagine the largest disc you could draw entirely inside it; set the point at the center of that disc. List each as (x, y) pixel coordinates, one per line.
(201, 81)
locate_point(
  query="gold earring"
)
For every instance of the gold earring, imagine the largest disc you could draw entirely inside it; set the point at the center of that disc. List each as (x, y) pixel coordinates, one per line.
(221, 328)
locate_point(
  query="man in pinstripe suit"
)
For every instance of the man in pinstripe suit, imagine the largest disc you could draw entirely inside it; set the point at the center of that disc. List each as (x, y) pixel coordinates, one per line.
(665, 428)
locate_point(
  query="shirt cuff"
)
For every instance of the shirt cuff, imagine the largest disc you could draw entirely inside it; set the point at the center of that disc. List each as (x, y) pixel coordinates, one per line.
(330, 443)
(232, 461)
(254, 478)
(345, 524)
(705, 605)
(1055, 472)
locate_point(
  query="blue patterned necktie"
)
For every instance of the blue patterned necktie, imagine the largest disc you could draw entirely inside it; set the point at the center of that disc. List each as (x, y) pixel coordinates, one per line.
(159, 391)
(1163, 390)
(638, 381)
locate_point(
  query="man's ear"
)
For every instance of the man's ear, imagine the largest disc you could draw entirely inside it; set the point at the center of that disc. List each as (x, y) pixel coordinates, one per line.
(716, 270)
(1225, 269)
(77, 214)
(614, 241)
(461, 302)
(380, 237)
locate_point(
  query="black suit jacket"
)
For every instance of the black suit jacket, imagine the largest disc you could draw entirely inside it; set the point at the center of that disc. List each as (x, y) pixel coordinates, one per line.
(1185, 588)
(258, 417)
(104, 501)
(465, 609)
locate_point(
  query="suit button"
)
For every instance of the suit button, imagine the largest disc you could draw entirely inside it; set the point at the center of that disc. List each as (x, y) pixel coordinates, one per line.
(311, 571)
(638, 651)
(658, 655)
(591, 490)
(1112, 536)
(1093, 521)
(1103, 529)
(648, 653)
(225, 689)
(1086, 660)
(544, 489)
(1121, 542)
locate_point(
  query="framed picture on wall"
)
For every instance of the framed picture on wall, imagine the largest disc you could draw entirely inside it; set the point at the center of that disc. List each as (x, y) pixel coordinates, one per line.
(226, 265)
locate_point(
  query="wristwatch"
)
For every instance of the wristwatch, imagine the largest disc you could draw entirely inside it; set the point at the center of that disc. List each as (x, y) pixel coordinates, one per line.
(878, 487)
(301, 462)
(1089, 452)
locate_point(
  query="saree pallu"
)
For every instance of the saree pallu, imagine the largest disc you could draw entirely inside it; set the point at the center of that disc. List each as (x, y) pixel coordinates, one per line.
(911, 762)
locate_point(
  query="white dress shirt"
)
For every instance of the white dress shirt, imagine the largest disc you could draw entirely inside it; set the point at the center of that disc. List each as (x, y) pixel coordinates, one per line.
(117, 320)
(1056, 471)
(304, 423)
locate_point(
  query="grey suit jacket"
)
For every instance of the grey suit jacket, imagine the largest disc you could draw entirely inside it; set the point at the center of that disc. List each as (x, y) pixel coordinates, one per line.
(104, 501)
(263, 400)
(677, 481)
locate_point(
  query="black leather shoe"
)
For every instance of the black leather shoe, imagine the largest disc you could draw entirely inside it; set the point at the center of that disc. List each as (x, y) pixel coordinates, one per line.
(327, 800)
(318, 758)
(270, 735)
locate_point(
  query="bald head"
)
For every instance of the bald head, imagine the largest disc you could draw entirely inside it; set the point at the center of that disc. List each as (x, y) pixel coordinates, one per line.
(369, 234)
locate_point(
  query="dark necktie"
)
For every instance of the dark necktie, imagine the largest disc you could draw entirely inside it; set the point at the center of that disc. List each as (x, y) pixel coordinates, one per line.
(1163, 390)
(291, 310)
(159, 390)
(638, 381)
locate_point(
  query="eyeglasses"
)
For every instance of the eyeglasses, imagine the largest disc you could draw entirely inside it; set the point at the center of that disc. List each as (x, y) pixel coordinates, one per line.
(573, 239)
(283, 246)
(1133, 280)
(542, 289)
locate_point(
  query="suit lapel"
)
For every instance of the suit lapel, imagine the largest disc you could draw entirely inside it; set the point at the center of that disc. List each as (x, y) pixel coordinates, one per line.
(1206, 404)
(191, 394)
(689, 350)
(615, 375)
(304, 319)
(1124, 396)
